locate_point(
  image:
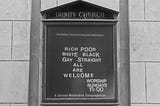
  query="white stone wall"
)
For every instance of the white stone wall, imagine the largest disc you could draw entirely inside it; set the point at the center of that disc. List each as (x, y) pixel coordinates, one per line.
(145, 52)
(14, 51)
(144, 49)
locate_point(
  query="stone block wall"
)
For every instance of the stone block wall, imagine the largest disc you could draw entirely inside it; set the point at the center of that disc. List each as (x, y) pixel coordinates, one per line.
(144, 49)
(14, 51)
(145, 52)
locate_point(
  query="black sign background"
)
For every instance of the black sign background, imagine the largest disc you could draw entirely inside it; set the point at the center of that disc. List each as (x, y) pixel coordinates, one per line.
(56, 84)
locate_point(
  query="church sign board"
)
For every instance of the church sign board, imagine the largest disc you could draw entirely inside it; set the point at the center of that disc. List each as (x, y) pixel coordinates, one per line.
(79, 55)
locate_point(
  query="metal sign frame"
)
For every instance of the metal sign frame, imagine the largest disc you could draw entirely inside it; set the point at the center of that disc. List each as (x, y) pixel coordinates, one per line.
(82, 100)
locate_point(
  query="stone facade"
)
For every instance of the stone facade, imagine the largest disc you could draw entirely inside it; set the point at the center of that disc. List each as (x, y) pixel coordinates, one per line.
(144, 52)
(14, 51)
(144, 49)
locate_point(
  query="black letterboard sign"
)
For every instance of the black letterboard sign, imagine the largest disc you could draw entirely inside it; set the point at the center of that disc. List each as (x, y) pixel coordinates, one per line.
(79, 62)
(79, 54)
